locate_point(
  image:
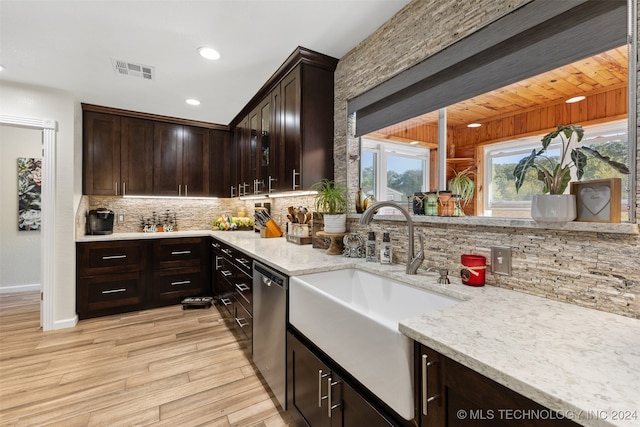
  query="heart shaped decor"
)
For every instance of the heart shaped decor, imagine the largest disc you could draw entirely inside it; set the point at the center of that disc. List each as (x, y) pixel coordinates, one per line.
(595, 199)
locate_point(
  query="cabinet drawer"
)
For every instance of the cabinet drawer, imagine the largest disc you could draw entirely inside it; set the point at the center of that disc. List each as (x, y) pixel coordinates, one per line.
(243, 323)
(244, 294)
(178, 280)
(102, 293)
(173, 253)
(110, 257)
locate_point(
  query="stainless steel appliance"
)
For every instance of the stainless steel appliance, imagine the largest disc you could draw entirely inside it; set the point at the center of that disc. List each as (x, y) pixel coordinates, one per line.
(270, 328)
(100, 221)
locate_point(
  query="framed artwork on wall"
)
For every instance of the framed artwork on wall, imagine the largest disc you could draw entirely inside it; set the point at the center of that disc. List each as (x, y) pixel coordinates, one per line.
(29, 193)
(598, 200)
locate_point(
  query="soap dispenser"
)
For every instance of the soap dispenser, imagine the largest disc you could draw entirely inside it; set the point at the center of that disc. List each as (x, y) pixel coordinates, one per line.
(385, 249)
(371, 247)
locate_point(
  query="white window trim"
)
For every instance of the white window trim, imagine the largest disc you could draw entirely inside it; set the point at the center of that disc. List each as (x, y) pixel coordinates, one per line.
(384, 148)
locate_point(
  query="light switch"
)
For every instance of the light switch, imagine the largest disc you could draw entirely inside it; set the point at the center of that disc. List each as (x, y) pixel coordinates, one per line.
(501, 260)
(120, 218)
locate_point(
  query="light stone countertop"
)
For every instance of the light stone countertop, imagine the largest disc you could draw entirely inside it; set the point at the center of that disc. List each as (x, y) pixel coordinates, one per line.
(583, 363)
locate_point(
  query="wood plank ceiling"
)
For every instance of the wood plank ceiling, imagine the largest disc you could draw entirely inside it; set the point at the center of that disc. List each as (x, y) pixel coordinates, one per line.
(588, 76)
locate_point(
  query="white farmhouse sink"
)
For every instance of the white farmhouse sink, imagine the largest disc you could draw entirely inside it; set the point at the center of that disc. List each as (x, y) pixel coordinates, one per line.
(353, 316)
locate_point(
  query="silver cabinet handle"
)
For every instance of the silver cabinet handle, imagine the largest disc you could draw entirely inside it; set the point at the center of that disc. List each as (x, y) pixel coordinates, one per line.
(225, 301)
(425, 385)
(330, 405)
(179, 190)
(114, 257)
(215, 245)
(320, 396)
(124, 188)
(293, 179)
(227, 251)
(181, 282)
(186, 190)
(242, 287)
(270, 181)
(116, 187)
(114, 291)
(241, 322)
(232, 191)
(226, 273)
(180, 252)
(218, 265)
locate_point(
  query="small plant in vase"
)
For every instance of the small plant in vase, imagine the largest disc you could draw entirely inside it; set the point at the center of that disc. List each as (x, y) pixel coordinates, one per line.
(463, 186)
(332, 201)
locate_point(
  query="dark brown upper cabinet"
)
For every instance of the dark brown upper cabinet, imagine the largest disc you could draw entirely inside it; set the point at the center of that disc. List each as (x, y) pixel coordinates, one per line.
(181, 160)
(222, 173)
(118, 153)
(284, 135)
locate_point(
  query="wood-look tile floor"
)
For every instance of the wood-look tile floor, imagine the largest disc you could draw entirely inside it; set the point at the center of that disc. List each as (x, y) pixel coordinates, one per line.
(160, 367)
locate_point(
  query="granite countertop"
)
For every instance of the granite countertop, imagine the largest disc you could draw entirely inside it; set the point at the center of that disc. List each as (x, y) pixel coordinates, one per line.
(583, 363)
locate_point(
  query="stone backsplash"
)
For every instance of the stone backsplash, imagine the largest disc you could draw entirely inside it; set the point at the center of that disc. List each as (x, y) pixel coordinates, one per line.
(192, 214)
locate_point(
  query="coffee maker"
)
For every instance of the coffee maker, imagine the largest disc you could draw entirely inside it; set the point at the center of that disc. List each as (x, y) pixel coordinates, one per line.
(100, 221)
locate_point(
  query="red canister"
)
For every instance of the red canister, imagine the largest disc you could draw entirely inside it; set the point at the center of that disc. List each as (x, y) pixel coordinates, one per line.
(473, 269)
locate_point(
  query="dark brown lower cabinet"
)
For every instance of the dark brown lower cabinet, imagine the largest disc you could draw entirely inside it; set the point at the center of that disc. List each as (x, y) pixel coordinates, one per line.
(320, 397)
(450, 394)
(127, 275)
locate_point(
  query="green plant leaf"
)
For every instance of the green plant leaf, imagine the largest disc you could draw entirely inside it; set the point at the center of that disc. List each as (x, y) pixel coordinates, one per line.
(522, 167)
(606, 159)
(580, 161)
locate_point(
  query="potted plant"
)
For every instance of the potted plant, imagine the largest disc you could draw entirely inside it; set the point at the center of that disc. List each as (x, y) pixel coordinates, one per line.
(462, 184)
(556, 174)
(332, 200)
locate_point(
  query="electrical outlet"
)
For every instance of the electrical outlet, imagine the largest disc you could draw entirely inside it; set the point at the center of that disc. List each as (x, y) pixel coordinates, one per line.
(501, 260)
(120, 218)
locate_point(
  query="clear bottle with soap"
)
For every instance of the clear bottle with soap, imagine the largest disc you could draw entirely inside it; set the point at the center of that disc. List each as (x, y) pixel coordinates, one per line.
(371, 247)
(385, 249)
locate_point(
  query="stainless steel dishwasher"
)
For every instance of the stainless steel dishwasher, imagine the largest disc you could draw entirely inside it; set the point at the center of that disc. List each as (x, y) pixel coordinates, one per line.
(270, 328)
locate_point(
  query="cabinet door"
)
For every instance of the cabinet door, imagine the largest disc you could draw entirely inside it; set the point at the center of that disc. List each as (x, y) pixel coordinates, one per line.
(167, 159)
(307, 384)
(222, 170)
(195, 161)
(136, 154)
(109, 294)
(290, 110)
(254, 127)
(276, 171)
(429, 388)
(242, 159)
(101, 154)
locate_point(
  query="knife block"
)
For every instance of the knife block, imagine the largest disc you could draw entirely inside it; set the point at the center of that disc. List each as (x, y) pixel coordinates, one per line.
(270, 229)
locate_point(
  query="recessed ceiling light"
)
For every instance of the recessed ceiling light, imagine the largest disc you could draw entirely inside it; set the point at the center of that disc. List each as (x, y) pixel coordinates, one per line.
(414, 143)
(192, 101)
(575, 99)
(209, 53)
(474, 125)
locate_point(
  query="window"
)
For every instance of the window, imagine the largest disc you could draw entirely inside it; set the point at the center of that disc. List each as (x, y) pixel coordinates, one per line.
(501, 199)
(393, 171)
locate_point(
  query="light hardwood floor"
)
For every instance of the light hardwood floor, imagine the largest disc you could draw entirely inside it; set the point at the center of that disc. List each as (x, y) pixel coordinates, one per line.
(160, 367)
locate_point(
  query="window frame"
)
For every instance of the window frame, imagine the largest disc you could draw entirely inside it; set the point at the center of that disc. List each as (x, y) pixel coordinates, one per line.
(384, 149)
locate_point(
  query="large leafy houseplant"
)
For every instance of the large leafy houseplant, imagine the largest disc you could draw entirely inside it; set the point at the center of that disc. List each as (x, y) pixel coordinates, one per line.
(556, 174)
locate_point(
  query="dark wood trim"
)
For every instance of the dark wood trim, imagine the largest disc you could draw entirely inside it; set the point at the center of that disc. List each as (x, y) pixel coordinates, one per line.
(300, 55)
(155, 117)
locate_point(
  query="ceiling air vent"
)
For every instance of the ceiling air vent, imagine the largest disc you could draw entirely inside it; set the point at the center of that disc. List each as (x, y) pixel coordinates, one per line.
(126, 68)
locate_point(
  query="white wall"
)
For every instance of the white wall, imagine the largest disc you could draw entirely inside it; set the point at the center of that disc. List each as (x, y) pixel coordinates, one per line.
(43, 103)
(19, 250)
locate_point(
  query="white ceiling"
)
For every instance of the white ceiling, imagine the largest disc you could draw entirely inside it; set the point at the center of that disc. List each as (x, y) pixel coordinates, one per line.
(68, 45)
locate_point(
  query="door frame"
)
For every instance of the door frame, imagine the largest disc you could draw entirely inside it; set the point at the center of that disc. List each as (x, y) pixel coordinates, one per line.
(49, 129)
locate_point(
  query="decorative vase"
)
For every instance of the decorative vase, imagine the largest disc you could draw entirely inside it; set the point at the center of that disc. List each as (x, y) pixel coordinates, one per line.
(360, 198)
(553, 207)
(431, 203)
(335, 224)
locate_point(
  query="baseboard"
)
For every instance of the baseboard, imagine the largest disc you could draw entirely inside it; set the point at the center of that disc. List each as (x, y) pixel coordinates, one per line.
(19, 288)
(65, 323)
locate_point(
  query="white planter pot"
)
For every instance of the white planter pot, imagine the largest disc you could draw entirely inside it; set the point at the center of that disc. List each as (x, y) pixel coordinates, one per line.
(335, 223)
(553, 207)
